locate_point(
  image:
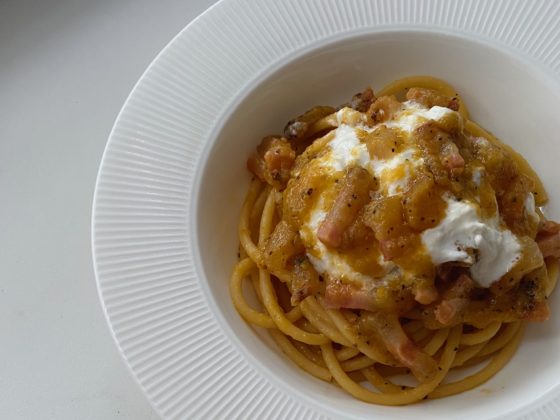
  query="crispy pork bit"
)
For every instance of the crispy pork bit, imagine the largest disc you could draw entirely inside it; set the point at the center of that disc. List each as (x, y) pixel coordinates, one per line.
(430, 98)
(442, 154)
(304, 279)
(273, 161)
(451, 159)
(363, 100)
(357, 234)
(298, 127)
(283, 244)
(454, 301)
(511, 202)
(383, 109)
(448, 311)
(548, 239)
(425, 292)
(343, 295)
(385, 217)
(389, 328)
(353, 195)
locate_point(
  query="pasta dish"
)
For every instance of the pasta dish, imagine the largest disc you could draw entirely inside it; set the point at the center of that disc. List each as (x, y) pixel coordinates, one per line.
(391, 241)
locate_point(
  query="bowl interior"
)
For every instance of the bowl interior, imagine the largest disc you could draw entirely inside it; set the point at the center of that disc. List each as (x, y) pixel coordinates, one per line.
(505, 94)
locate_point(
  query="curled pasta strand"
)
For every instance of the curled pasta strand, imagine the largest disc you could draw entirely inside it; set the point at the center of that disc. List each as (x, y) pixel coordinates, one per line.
(403, 397)
(327, 343)
(495, 365)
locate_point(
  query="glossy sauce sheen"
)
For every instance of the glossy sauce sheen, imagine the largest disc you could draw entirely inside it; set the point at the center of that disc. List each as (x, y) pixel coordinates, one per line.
(416, 210)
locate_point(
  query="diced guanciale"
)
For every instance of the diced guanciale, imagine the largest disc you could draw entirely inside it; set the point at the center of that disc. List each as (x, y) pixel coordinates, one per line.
(383, 109)
(430, 98)
(283, 244)
(363, 100)
(425, 291)
(343, 295)
(400, 346)
(454, 301)
(385, 217)
(353, 195)
(304, 279)
(443, 157)
(272, 161)
(357, 234)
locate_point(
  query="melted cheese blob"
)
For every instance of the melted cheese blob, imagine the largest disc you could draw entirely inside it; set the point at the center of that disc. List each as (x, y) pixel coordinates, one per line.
(462, 229)
(461, 235)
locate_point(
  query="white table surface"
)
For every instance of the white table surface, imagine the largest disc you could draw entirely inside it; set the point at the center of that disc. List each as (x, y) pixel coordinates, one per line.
(66, 67)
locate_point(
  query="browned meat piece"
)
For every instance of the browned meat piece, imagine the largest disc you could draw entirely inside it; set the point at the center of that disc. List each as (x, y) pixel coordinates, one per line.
(363, 100)
(401, 347)
(383, 109)
(462, 302)
(425, 292)
(343, 295)
(273, 161)
(538, 312)
(357, 234)
(339, 294)
(461, 287)
(304, 279)
(548, 239)
(531, 299)
(530, 259)
(298, 127)
(283, 244)
(353, 195)
(430, 98)
(385, 217)
(449, 310)
(454, 301)
(451, 159)
(480, 314)
(442, 154)
(511, 203)
(501, 169)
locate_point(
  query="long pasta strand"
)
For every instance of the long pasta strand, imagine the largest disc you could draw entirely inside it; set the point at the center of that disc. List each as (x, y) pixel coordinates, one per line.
(324, 342)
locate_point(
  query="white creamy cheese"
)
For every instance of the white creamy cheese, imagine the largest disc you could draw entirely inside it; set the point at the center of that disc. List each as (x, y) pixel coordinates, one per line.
(461, 236)
(379, 166)
(346, 150)
(497, 250)
(382, 170)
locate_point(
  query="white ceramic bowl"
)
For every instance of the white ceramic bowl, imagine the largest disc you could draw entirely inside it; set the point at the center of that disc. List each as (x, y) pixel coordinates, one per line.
(173, 179)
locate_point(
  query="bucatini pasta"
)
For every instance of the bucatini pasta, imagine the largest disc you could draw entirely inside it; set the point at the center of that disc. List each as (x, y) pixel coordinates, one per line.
(394, 236)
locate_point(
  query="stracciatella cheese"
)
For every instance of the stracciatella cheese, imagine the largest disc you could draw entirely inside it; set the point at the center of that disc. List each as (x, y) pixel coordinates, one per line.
(462, 236)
